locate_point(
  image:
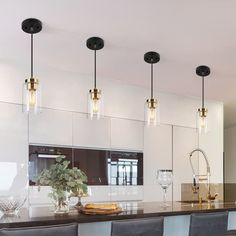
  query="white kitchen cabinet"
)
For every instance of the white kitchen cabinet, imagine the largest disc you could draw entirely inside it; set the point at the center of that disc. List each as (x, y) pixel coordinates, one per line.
(52, 127)
(126, 134)
(91, 133)
(13, 149)
(157, 155)
(184, 141)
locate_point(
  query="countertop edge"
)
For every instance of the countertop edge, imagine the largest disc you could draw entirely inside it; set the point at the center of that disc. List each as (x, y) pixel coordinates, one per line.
(129, 214)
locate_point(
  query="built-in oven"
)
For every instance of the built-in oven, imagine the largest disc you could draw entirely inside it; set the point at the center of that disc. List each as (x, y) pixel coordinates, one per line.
(125, 168)
(102, 167)
(42, 157)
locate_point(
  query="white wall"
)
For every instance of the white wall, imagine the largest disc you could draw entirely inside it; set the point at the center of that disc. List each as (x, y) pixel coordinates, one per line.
(68, 92)
(230, 154)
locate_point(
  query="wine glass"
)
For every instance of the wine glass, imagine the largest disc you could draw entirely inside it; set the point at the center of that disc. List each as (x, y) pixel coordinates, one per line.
(165, 179)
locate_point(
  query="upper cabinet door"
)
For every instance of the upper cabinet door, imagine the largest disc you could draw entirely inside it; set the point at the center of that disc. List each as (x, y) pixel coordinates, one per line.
(184, 141)
(51, 127)
(157, 155)
(91, 133)
(126, 134)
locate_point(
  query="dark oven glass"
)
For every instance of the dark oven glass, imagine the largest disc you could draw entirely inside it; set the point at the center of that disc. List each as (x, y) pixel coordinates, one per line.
(125, 168)
(102, 167)
(41, 157)
(93, 163)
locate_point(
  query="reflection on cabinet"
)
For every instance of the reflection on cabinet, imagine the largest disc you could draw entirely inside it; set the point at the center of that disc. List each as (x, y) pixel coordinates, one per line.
(125, 168)
(126, 134)
(51, 127)
(91, 133)
(157, 155)
(13, 149)
(184, 141)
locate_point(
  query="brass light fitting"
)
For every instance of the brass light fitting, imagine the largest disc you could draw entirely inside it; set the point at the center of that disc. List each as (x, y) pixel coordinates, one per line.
(32, 84)
(202, 112)
(95, 93)
(152, 103)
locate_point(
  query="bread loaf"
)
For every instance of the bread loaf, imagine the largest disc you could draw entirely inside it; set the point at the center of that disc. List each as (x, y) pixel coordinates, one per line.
(105, 206)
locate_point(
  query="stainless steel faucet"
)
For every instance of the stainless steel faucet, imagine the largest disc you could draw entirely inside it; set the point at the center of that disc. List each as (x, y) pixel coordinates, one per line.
(203, 176)
(208, 170)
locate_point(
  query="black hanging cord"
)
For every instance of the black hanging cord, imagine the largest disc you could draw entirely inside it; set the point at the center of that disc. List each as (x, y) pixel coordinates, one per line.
(95, 69)
(151, 80)
(32, 55)
(203, 88)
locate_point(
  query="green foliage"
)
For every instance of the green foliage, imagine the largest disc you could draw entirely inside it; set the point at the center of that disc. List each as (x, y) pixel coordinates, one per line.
(64, 179)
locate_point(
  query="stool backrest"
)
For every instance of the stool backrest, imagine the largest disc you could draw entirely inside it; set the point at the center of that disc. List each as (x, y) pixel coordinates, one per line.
(138, 227)
(208, 224)
(60, 230)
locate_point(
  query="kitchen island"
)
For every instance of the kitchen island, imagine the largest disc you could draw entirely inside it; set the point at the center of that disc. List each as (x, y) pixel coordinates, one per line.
(176, 215)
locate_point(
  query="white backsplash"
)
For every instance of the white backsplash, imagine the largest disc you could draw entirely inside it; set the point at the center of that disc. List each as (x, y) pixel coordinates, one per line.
(98, 194)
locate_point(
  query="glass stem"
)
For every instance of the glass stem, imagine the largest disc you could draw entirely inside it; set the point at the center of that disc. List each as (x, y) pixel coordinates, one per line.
(164, 196)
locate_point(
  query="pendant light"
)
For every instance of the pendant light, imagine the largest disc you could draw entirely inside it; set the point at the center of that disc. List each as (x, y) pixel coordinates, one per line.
(202, 122)
(95, 95)
(31, 88)
(152, 117)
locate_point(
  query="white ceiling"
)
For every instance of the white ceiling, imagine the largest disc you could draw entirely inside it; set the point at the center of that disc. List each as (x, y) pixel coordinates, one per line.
(186, 33)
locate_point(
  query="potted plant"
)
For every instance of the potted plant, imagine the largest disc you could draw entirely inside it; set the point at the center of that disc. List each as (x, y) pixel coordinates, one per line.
(63, 181)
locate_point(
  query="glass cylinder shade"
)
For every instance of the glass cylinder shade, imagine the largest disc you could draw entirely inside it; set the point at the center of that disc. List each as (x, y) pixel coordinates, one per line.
(152, 114)
(95, 104)
(31, 96)
(202, 120)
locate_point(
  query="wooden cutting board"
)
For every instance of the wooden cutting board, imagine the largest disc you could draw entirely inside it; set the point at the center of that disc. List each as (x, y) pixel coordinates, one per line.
(100, 211)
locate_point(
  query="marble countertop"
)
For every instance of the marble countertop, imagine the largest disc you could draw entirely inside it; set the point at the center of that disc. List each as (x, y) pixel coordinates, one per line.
(37, 216)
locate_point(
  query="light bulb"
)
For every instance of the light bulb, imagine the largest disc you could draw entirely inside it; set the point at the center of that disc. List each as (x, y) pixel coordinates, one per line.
(202, 121)
(94, 103)
(151, 116)
(32, 97)
(202, 125)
